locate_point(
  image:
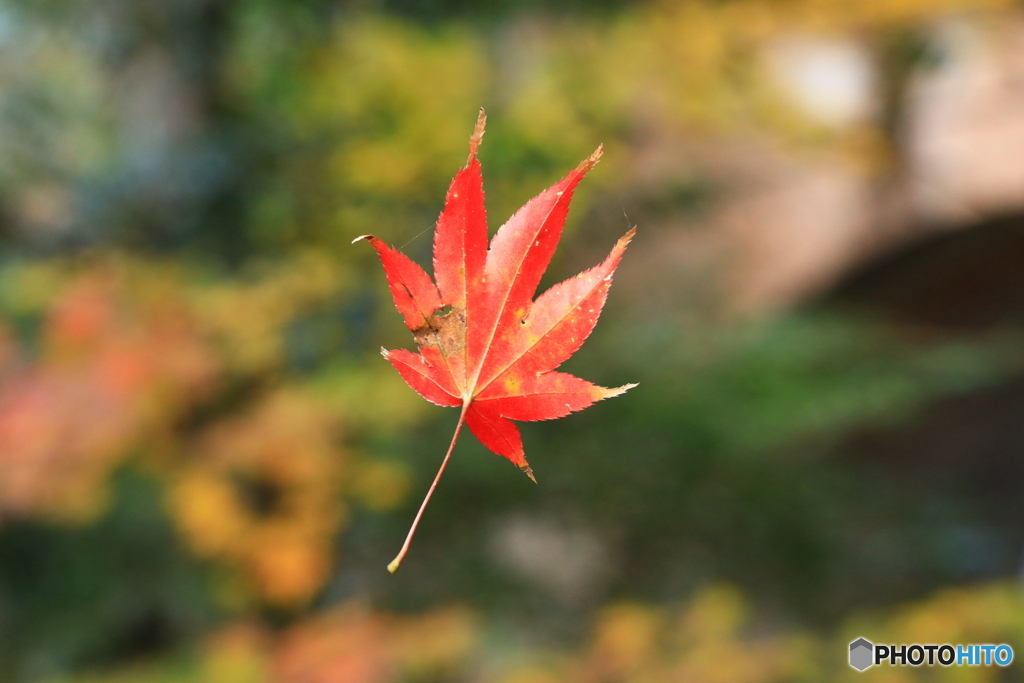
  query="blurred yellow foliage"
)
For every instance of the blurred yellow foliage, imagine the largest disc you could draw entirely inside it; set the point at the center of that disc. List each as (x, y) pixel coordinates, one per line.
(625, 639)
(133, 359)
(390, 100)
(235, 654)
(248, 316)
(351, 643)
(708, 640)
(985, 614)
(386, 105)
(260, 492)
(379, 484)
(119, 359)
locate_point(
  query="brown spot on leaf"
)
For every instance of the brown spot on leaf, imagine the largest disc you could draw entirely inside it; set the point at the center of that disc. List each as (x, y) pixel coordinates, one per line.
(445, 328)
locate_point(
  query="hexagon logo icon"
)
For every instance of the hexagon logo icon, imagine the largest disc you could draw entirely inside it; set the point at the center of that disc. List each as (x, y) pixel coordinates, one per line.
(861, 652)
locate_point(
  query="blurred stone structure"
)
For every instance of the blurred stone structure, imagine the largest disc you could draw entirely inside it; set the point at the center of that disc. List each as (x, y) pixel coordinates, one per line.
(791, 224)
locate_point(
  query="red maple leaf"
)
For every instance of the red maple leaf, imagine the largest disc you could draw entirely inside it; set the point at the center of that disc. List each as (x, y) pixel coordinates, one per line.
(485, 344)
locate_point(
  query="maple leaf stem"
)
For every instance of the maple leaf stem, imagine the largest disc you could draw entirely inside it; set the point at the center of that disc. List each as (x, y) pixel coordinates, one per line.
(395, 563)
